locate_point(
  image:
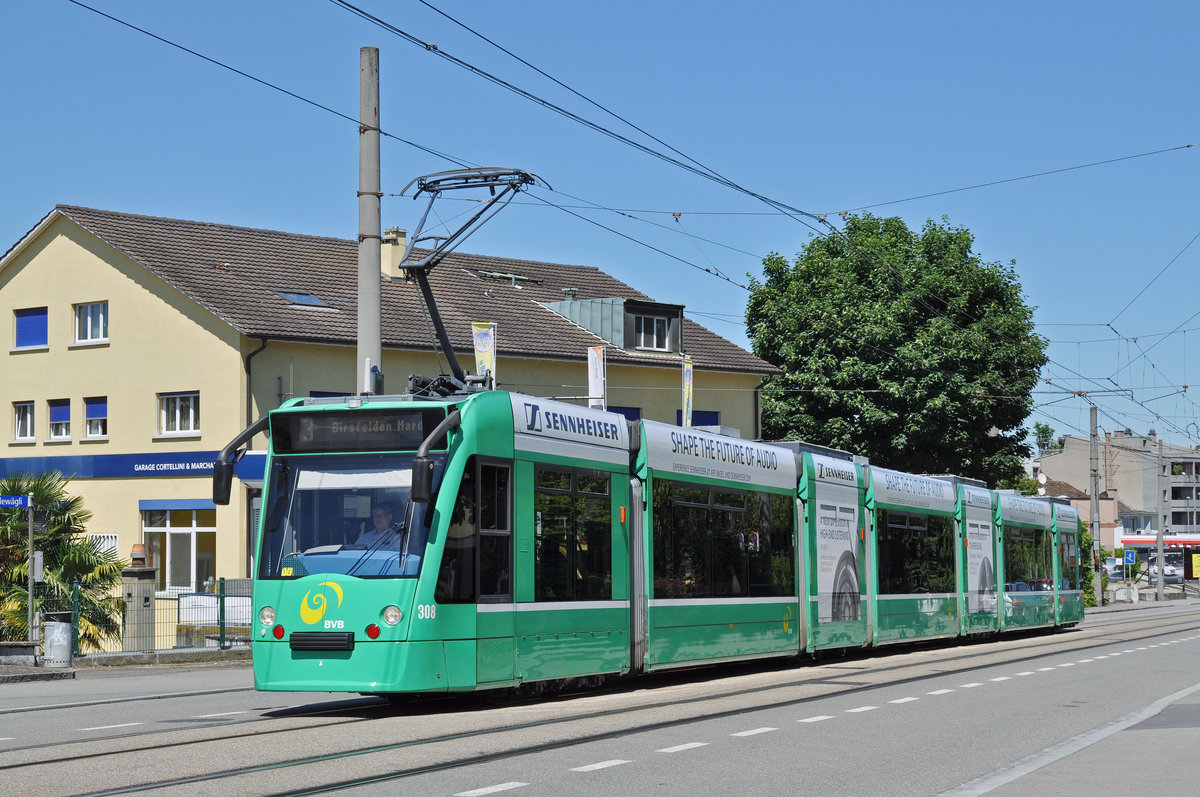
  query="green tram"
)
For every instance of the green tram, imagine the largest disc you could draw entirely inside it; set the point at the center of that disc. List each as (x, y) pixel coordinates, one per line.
(496, 539)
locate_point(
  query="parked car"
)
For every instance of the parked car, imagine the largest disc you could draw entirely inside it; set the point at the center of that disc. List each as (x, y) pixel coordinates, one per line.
(1041, 585)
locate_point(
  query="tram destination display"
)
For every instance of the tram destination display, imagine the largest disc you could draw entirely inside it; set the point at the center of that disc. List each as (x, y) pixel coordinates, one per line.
(365, 430)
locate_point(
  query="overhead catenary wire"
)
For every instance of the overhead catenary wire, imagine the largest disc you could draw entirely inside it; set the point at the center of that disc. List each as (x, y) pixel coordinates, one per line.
(783, 209)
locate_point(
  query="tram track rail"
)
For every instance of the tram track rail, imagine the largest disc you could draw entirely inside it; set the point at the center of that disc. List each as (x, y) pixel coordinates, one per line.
(551, 729)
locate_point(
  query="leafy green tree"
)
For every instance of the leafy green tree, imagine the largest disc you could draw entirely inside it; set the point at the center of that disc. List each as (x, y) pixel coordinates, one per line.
(905, 347)
(1044, 434)
(69, 555)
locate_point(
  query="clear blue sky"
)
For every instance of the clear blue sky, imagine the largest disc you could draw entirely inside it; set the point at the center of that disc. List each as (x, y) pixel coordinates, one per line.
(823, 106)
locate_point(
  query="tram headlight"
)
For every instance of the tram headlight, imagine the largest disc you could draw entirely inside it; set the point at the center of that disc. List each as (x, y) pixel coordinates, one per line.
(266, 615)
(392, 615)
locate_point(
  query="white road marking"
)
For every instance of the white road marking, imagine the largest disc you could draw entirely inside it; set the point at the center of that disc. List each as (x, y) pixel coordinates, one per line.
(1001, 678)
(1081, 661)
(1044, 669)
(681, 747)
(940, 692)
(904, 700)
(210, 716)
(817, 718)
(1027, 672)
(109, 727)
(971, 685)
(602, 765)
(1067, 664)
(861, 709)
(754, 732)
(516, 784)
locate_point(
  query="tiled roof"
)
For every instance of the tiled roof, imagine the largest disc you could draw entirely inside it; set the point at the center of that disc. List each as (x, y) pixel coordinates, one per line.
(237, 273)
(1057, 489)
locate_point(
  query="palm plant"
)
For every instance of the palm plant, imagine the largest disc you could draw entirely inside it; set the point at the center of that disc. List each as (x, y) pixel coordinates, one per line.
(69, 556)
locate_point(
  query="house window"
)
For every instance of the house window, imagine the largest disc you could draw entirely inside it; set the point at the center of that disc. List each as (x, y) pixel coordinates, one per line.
(652, 333)
(182, 544)
(178, 413)
(22, 420)
(91, 322)
(305, 299)
(31, 328)
(700, 418)
(60, 419)
(95, 414)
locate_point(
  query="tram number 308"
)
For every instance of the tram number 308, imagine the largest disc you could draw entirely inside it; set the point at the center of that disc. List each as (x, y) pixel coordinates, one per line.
(426, 611)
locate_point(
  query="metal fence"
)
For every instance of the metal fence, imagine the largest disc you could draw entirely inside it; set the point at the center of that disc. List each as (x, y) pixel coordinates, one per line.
(142, 616)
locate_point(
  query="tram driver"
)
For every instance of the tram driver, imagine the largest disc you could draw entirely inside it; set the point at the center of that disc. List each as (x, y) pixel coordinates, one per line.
(382, 527)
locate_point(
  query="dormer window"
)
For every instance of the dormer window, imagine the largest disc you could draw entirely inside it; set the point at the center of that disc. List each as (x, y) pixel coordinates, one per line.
(652, 333)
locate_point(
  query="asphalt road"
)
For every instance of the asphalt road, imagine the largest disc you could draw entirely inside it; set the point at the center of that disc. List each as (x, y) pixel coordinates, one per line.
(1053, 714)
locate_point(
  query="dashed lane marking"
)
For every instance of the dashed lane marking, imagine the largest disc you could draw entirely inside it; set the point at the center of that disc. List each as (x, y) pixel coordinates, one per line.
(819, 718)
(516, 784)
(754, 732)
(681, 747)
(110, 727)
(616, 762)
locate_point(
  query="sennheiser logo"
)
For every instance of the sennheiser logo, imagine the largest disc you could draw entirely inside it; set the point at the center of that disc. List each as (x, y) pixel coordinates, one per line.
(533, 420)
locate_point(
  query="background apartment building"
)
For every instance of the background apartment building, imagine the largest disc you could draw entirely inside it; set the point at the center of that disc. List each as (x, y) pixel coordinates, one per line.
(1154, 484)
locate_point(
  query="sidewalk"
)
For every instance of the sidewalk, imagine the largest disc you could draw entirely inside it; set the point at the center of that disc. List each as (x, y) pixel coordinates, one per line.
(15, 673)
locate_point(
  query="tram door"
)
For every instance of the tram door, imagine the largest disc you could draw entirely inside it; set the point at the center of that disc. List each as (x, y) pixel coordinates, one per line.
(572, 614)
(476, 565)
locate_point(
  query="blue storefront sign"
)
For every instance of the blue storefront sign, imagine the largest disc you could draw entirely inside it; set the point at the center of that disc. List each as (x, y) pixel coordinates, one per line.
(116, 466)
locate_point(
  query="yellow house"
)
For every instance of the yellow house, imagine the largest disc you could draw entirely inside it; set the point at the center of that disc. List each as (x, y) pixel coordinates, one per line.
(137, 347)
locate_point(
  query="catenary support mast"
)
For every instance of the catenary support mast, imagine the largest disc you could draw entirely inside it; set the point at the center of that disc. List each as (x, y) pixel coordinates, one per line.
(370, 334)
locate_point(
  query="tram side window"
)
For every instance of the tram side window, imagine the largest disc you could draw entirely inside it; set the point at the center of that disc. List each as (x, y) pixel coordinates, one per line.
(916, 553)
(1027, 560)
(1069, 566)
(495, 533)
(710, 542)
(478, 538)
(573, 535)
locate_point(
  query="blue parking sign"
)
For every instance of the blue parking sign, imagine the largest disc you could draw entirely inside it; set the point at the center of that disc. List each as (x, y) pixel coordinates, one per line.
(14, 502)
(1130, 557)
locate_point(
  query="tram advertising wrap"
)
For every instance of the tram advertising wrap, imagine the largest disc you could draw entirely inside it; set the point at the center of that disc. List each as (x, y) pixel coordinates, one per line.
(981, 571)
(837, 541)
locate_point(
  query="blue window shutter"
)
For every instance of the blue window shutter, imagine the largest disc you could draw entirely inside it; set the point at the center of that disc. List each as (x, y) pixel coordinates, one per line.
(699, 418)
(60, 410)
(94, 408)
(31, 327)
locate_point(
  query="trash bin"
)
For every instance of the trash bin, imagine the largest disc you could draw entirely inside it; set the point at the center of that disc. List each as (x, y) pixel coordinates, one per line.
(58, 643)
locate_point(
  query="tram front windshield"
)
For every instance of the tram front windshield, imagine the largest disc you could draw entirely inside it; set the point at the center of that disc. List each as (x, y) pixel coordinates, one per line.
(348, 514)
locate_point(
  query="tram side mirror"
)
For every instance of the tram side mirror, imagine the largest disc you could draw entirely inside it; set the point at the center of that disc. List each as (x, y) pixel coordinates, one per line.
(422, 480)
(222, 481)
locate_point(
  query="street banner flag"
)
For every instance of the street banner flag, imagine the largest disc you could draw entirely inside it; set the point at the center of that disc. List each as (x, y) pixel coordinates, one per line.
(483, 335)
(597, 379)
(687, 391)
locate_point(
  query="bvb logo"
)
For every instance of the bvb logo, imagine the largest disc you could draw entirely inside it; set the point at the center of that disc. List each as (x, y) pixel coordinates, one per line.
(787, 618)
(312, 608)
